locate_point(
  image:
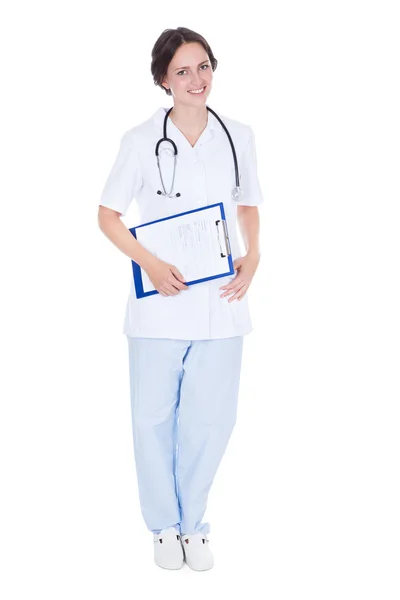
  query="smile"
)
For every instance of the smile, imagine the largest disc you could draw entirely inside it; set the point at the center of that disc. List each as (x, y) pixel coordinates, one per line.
(199, 91)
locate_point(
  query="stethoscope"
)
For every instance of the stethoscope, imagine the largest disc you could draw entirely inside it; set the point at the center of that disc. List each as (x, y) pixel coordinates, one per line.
(237, 192)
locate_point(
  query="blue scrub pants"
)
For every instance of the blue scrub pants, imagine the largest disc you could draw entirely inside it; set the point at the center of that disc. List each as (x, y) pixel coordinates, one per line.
(184, 398)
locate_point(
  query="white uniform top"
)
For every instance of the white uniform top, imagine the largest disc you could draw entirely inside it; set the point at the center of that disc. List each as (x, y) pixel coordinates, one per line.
(205, 175)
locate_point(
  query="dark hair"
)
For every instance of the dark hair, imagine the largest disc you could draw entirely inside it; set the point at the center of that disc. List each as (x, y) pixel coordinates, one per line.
(166, 46)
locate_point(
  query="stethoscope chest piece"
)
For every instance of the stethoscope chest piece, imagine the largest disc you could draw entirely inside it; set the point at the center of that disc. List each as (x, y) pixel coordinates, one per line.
(237, 194)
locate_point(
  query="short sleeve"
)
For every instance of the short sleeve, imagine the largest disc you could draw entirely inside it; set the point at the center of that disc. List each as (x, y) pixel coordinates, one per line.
(125, 180)
(252, 194)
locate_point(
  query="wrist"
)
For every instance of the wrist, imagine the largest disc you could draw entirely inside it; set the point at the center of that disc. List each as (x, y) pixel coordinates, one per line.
(147, 260)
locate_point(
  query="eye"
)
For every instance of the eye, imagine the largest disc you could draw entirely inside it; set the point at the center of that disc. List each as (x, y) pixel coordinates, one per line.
(184, 70)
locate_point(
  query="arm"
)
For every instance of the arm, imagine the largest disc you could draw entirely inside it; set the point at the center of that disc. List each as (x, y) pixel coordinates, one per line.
(114, 229)
(166, 278)
(249, 224)
(246, 266)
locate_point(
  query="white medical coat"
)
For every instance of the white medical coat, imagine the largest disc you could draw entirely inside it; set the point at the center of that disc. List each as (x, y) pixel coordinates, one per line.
(205, 175)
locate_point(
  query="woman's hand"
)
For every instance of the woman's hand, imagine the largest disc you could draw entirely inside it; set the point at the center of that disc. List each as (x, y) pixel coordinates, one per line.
(246, 267)
(166, 278)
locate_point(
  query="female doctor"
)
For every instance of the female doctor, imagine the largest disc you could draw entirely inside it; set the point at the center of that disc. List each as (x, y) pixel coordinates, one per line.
(185, 342)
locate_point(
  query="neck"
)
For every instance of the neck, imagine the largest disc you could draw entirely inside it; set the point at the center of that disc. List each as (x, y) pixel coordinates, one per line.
(189, 118)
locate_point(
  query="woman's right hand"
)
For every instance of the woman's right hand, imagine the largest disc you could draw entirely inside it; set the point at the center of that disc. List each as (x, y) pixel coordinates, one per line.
(166, 278)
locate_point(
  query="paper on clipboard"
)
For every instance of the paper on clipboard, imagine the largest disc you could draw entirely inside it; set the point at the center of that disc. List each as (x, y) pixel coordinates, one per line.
(192, 242)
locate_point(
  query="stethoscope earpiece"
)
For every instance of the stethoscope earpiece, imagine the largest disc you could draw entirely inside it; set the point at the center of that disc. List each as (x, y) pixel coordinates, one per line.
(237, 192)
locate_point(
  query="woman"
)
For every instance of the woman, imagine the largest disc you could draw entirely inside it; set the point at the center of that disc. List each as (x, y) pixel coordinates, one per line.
(185, 343)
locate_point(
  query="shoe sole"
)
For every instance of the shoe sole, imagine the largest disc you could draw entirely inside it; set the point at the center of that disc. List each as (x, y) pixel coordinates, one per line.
(199, 570)
(170, 568)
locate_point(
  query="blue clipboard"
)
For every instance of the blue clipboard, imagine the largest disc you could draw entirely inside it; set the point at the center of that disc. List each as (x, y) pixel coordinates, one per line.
(137, 271)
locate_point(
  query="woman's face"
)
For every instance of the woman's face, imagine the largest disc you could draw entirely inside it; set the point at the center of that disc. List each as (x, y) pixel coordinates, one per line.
(190, 69)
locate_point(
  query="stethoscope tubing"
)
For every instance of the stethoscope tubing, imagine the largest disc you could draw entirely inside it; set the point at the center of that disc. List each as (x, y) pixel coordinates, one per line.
(167, 139)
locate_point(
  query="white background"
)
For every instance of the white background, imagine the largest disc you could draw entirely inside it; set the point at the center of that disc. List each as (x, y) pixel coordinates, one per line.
(305, 504)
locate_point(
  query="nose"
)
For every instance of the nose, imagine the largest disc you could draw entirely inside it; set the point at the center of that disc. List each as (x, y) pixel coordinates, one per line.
(197, 83)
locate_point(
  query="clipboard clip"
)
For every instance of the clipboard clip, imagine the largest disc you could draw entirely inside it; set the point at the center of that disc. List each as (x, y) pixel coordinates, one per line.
(226, 238)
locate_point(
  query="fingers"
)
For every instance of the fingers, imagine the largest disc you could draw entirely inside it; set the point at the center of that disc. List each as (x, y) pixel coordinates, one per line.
(233, 288)
(169, 289)
(238, 296)
(173, 286)
(179, 285)
(177, 279)
(239, 293)
(233, 284)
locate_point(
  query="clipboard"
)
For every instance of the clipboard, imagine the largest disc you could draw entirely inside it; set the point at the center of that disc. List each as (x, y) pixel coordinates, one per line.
(221, 235)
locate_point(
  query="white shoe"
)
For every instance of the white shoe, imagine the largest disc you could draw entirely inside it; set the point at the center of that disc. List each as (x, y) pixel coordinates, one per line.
(197, 552)
(168, 552)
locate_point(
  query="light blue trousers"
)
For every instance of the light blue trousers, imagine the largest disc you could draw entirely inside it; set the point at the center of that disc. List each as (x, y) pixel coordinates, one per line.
(184, 397)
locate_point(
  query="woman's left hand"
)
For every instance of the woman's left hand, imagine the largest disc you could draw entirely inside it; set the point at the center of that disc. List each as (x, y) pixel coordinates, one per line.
(246, 267)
